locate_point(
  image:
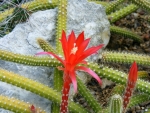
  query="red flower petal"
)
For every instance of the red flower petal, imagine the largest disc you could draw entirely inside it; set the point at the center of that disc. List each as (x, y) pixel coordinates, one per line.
(71, 42)
(82, 47)
(80, 39)
(50, 53)
(74, 81)
(88, 52)
(92, 73)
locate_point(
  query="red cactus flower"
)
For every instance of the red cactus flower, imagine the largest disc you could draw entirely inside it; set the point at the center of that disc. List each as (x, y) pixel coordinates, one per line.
(132, 78)
(75, 52)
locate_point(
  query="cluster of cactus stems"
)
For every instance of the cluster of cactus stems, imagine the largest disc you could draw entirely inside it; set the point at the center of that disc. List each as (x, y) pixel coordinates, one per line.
(54, 94)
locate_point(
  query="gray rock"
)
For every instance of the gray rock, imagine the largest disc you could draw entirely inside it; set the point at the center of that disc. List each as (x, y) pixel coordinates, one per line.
(82, 16)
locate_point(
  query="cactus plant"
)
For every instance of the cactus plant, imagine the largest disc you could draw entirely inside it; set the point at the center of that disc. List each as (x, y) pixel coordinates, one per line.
(103, 71)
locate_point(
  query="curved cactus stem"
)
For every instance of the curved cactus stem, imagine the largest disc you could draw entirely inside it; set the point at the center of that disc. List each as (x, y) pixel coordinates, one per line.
(37, 88)
(16, 106)
(113, 17)
(88, 96)
(126, 58)
(116, 104)
(126, 33)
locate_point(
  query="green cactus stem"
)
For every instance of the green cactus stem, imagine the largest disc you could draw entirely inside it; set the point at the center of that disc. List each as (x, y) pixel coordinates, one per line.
(45, 45)
(113, 17)
(138, 99)
(126, 58)
(112, 5)
(58, 82)
(143, 74)
(30, 6)
(28, 59)
(118, 89)
(61, 23)
(16, 106)
(88, 96)
(37, 88)
(142, 3)
(99, 2)
(116, 104)
(126, 33)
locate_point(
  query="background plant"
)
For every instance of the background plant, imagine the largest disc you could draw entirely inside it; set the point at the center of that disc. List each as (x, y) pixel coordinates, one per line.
(115, 12)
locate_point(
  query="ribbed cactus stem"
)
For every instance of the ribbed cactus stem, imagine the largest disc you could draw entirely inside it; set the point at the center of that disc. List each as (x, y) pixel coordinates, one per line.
(127, 58)
(28, 59)
(58, 83)
(45, 45)
(116, 104)
(138, 99)
(142, 3)
(143, 74)
(126, 33)
(30, 6)
(16, 106)
(61, 23)
(118, 89)
(99, 2)
(113, 17)
(112, 5)
(37, 88)
(88, 96)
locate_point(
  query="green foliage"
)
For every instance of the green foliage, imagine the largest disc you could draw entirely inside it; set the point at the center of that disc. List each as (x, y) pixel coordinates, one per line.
(126, 33)
(111, 7)
(126, 58)
(113, 17)
(142, 3)
(15, 105)
(116, 104)
(88, 96)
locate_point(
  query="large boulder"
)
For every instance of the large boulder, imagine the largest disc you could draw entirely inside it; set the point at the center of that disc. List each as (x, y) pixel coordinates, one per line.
(82, 16)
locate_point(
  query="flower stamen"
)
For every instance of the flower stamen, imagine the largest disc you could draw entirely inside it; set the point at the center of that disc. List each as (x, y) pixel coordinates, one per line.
(74, 49)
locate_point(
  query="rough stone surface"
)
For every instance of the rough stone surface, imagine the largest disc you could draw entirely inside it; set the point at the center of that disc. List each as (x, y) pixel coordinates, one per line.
(82, 15)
